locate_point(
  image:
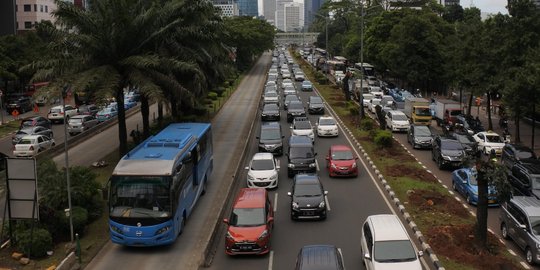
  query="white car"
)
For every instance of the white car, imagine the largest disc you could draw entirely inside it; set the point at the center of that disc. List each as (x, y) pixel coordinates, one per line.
(299, 76)
(397, 121)
(488, 140)
(366, 99)
(327, 127)
(373, 103)
(31, 145)
(286, 74)
(263, 171)
(271, 97)
(302, 127)
(56, 113)
(287, 82)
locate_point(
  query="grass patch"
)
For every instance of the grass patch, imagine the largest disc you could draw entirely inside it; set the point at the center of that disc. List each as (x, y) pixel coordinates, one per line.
(9, 127)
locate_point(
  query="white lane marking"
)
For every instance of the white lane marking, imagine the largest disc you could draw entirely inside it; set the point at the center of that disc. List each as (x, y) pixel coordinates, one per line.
(524, 265)
(271, 260)
(512, 252)
(275, 202)
(327, 204)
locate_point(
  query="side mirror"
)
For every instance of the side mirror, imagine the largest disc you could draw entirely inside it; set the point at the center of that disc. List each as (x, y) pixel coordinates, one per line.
(420, 253)
(283, 136)
(270, 219)
(326, 192)
(289, 193)
(464, 181)
(278, 167)
(522, 226)
(356, 158)
(247, 167)
(226, 221)
(367, 256)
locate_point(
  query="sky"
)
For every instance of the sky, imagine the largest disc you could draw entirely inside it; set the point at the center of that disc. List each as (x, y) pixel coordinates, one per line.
(489, 6)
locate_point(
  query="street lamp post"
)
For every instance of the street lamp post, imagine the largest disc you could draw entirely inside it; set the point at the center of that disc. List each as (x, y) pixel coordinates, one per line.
(326, 43)
(68, 211)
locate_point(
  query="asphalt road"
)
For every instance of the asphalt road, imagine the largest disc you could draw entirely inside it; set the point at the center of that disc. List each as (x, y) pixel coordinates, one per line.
(350, 201)
(230, 130)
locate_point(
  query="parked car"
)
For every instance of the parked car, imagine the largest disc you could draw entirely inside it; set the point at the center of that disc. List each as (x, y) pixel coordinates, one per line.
(250, 225)
(31, 145)
(420, 136)
(468, 142)
(488, 141)
(315, 105)
(385, 244)
(263, 171)
(307, 86)
(295, 109)
(106, 114)
(520, 221)
(464, 181)
(308, 197)
(517, 154)
(301, 126)
(35, 130)
(314, 257)
(33, 121)
(447, 152)
(327, 127)
(271, 138)
(270, 112)
(81, 123)
(341, 161)
(56, 114)
(89, 109)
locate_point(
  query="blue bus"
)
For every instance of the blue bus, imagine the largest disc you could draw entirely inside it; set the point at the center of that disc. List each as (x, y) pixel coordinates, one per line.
(155, 186)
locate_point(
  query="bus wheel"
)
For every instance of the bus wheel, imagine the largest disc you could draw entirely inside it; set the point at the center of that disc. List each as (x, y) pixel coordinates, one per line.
(182, 225)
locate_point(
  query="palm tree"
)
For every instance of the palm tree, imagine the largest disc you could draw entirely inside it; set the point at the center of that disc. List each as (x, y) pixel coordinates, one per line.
(112, 45)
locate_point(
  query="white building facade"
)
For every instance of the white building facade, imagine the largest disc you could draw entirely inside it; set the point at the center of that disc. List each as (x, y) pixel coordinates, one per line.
(31, 12)
(293, 17)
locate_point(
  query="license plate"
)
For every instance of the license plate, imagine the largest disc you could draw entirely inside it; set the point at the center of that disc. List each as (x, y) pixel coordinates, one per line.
(245, 248)
(309, 213)
(491, 201)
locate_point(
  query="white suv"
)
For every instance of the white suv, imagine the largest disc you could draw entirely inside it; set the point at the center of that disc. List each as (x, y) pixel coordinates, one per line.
(397, 121)
(302, 127)
(56, 114)
(263, 171)
(327, 126)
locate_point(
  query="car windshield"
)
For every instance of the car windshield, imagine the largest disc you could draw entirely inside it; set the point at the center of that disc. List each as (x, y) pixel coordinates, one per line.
(342, 155)
(306, 84)
(311, 190)
(290, 98)
(26, 141)
(535, 225)
(23, 132)
(394, 251)
(525, 155)
(247, 217)
(422, 112)
(422, 131)
(301, 152)
(262, 165)
(451, 145)
(316, 101)
(327, 122)
(270, 94)
(493, 138)
(75, 120)
(295, 105)
(271, 107)
(302, 125)
(399, 117)
(56, 110)
(27, 123)
(376, 101)
(271, 134)
(387, 99)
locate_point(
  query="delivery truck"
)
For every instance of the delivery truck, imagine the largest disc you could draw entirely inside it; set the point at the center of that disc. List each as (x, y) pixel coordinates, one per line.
(446, 111)
(417, 109)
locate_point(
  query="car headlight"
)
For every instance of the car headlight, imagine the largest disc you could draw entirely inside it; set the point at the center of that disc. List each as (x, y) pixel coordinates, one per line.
(250, 177)
(116, 229)
(416, 140)
(294, 205)
(322, 204)
(445, 157)
(290, 165)
(229, 236)
(263, 235)
(163, 230)
(274, 177)
(354, 165)
(263, 114)
(313, 165)
(333, 166)
(537, 245)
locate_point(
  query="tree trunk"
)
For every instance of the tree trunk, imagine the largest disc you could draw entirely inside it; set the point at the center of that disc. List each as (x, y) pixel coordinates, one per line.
(122, 129)
(482, 210)
(145, 112)
(160, 114)
(174, 111)
(470, 104)
(533, 117)
(488, 110)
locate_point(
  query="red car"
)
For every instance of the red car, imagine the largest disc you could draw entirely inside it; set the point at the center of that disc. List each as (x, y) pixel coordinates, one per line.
(341, 161)
(249, 227)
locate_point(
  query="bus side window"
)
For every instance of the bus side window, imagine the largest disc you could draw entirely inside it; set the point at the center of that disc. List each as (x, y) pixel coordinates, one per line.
(195, 159)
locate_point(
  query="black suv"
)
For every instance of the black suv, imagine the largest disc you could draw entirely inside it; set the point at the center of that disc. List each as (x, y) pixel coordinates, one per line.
(308, 197)
(525, 179)
(315, 105)
(468, 142)
(20, 103)
(295, 109)
(271, 138)
(301, 156)
(447, 152)
(517, 154)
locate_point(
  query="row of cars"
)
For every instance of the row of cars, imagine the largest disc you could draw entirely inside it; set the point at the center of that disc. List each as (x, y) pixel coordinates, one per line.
(251, 221)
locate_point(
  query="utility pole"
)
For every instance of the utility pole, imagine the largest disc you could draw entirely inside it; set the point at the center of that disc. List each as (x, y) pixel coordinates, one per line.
(361, 97)
(66, 148)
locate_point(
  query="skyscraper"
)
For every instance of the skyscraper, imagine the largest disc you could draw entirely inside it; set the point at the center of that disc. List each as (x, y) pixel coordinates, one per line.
(269, 11)
(293, 17)
(248, 7)
(7, 17)
(280, 14)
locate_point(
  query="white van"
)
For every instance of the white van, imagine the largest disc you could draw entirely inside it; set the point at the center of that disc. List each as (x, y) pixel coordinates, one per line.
(385, 244)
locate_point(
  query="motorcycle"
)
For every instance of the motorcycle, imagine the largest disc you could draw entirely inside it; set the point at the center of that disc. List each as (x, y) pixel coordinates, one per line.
(503, 123)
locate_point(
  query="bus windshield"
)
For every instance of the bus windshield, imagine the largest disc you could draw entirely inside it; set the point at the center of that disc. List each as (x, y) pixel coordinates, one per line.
(140, 196)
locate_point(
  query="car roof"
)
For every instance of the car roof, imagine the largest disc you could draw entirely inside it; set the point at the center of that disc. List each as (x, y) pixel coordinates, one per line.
(530, 205)
(31, 137)
(250, 198)
(340, 147)
(271, 124)
(318, 257)
(306, 179)
(79, 116)
(387, 227)
(326, 117)
(396, 112)
(263, 156)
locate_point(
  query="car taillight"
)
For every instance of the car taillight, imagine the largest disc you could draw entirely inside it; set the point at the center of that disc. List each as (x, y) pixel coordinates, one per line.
(107, 115)
(61, 112)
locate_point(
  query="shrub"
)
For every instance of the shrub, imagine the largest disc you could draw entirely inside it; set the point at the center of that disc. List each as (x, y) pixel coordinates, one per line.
(213, 95)
(383, 139)
(80, 219)
(367, 124)
(219, 91)
(36, 243)
(208, 101)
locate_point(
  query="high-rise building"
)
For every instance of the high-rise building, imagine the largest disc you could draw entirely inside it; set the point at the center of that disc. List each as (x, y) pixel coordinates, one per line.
(8, 22)
(294, 17)
(449, 2)
(228, 7)
(248, 7)
(280, 14)
(269, 11)
(30, 12)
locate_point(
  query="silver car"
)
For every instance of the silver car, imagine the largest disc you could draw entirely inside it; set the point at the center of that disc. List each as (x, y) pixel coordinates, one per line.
(80, 123)
(35, 130)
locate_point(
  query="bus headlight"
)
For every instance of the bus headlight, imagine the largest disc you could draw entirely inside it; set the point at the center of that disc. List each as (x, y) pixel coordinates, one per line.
(163, 230)
(116, 229)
